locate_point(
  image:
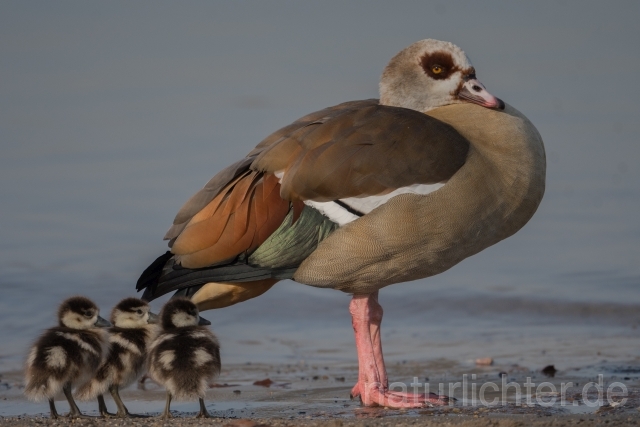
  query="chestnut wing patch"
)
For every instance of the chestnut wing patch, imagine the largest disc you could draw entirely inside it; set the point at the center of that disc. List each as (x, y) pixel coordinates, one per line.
(238, 220)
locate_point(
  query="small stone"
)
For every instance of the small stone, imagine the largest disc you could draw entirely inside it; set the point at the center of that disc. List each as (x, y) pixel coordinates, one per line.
(549, 371)
(484, 361)
(264, 383)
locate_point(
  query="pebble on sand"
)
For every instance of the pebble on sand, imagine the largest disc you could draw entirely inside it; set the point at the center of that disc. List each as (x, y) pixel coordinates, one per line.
(484, 361)
(549, 371)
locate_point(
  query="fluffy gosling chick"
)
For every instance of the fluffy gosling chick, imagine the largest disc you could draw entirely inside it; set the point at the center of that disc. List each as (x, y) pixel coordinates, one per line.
(132, 332)
(184, 357)
(67, 356)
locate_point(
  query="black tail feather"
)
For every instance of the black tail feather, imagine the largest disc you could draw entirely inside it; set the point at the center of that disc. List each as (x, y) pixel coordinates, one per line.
(164, 276)
(150, 277)
(279, 259)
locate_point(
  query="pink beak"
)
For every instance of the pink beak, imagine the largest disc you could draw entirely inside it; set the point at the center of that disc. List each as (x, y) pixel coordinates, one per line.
(474, 91)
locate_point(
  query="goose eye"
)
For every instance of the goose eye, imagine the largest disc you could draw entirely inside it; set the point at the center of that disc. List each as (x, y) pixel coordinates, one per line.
(139, 311)
(88, 315)
(437, 69)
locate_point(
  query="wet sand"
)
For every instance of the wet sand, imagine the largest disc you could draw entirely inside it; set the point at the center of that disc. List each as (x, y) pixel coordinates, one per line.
(308, 357)
(309, 395)
(478, 420)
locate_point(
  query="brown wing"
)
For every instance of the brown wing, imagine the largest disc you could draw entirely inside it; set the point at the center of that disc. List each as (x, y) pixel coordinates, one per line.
(315, 117)
(223, 178)
(239, 219)
(361, 149)
(353, 149)
(199, 200)
(238, 209)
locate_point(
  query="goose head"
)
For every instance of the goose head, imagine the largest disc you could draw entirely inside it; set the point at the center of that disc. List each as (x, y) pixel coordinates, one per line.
(80, 313)
(132, 313)
(430, 74)
(180, 312)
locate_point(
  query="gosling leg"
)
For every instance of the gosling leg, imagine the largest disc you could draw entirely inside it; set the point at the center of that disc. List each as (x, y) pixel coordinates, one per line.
(123, 412)
(167, 413)
(102, 407)
(52, 408)
(74, 411)
(203, 411)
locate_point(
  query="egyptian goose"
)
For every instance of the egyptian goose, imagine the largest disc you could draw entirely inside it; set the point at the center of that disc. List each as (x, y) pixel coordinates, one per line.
(67, 356)
(129, 338)
(184, 357)
(360, 196)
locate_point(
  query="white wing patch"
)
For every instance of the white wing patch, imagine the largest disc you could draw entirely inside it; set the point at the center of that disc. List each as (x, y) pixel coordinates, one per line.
(56, 357)
(201, 357)
(166, 359)
(342, 216)
(333, 211)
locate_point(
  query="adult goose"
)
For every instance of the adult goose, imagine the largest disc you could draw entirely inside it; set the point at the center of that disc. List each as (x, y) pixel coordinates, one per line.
(360, 196)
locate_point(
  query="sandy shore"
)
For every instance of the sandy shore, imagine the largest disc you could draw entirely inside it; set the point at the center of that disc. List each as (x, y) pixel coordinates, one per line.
(449, 420)
(297, 395)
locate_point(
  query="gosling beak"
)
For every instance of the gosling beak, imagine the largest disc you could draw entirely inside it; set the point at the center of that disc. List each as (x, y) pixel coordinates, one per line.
(153, 318)
(102, 323)
(474, 91)
(203, 322)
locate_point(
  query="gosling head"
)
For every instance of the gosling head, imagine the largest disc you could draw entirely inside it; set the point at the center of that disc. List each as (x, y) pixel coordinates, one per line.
(132, 313)
(178, 313)
(80, 313)
(430, 74)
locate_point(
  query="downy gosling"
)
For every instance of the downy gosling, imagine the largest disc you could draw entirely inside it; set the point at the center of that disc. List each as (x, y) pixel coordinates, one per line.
(184, 357)
(133, 330)
(67, 355)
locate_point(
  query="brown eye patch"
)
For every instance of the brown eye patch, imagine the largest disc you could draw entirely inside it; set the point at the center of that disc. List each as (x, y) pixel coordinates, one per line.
(438, 65)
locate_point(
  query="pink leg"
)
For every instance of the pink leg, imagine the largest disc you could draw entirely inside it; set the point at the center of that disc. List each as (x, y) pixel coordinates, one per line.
(372, 385)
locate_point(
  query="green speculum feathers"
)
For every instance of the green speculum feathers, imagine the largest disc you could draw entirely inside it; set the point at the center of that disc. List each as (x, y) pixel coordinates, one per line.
(291, 243)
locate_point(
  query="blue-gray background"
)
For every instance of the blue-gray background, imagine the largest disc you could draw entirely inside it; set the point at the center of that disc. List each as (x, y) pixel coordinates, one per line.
(113, 113)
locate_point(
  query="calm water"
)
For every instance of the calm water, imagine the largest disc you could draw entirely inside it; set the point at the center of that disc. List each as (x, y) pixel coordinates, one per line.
(112, 115)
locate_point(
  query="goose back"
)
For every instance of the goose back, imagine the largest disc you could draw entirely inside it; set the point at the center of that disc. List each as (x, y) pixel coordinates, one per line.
(488, 199)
